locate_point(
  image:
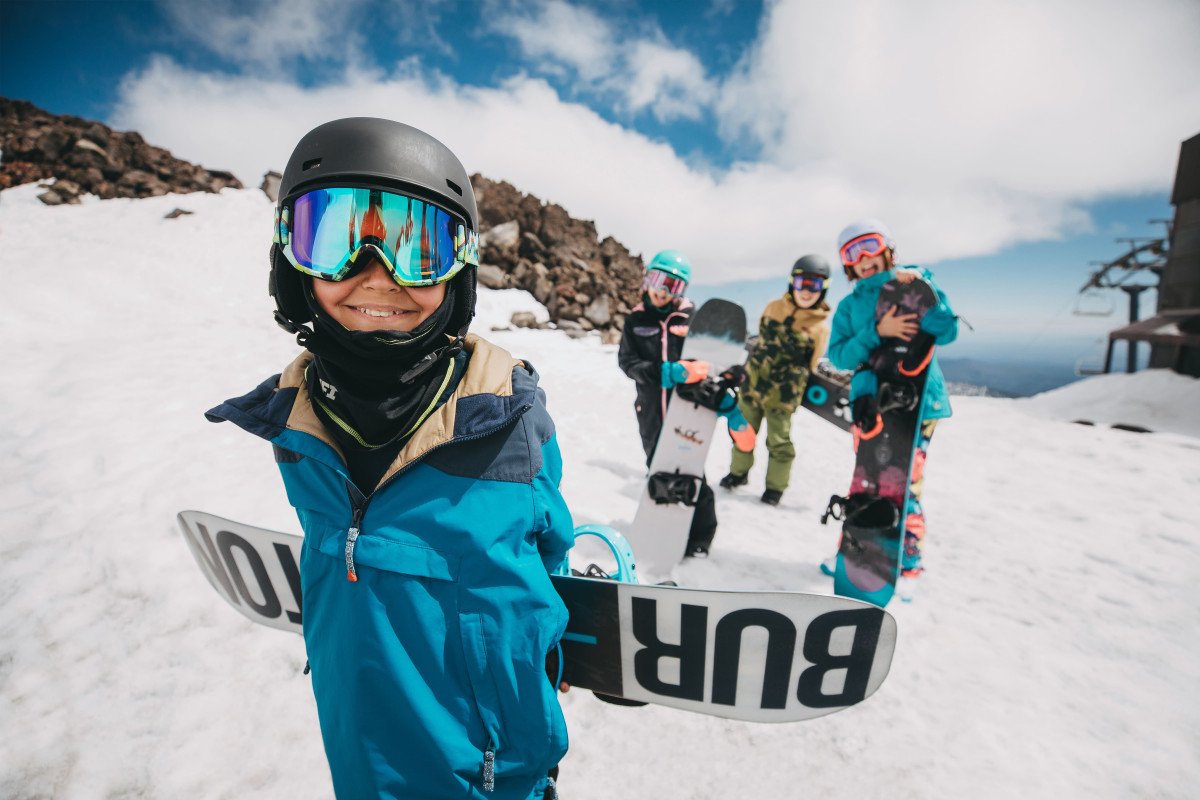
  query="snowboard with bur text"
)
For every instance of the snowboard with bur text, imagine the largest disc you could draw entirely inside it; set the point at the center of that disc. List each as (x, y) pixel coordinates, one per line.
(756, 656)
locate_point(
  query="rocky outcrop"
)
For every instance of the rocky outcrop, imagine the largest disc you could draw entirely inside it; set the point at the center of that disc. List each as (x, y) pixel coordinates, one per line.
(88, 157)
(586, 284)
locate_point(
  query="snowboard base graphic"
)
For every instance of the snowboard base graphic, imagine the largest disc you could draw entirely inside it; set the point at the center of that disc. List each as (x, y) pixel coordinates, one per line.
(756, 656)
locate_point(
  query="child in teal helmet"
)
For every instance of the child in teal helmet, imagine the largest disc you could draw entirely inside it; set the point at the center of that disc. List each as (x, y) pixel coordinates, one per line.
(867, 250)
(651, 346)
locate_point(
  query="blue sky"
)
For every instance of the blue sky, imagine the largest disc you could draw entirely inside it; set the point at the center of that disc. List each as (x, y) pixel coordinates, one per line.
(1002, 141)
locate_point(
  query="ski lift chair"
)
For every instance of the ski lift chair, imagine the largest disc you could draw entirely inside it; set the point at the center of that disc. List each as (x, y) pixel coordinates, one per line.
(1094, 303)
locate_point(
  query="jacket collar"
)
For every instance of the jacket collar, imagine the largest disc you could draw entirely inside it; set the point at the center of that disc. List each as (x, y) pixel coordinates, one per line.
(875, 281)
(785, 308)
(489, 371)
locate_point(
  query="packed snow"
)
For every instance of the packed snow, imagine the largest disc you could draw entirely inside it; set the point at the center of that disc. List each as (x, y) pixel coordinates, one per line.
(1051, 650)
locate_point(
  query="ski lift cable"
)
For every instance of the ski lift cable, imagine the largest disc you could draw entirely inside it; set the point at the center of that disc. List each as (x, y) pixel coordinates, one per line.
(1038, 334)
(1109, 304)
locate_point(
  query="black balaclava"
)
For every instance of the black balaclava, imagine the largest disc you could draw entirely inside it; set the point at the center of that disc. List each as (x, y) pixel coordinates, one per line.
(662, 311)
(372, 388)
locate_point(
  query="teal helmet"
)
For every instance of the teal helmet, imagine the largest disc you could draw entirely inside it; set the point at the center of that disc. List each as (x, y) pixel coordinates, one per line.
(673, 263)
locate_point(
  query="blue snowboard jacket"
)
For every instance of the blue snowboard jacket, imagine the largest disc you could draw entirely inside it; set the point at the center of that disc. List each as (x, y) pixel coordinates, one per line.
(429, 669)
(854, 338)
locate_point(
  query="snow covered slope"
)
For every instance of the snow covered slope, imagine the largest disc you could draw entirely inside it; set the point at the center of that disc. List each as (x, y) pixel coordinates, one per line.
(1051, 652)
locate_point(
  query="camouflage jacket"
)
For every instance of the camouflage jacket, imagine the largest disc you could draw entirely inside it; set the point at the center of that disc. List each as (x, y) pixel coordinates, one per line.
(790, 342)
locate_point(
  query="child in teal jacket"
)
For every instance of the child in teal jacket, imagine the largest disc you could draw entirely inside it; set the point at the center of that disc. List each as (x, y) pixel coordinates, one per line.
(867, 250)
(424, 470)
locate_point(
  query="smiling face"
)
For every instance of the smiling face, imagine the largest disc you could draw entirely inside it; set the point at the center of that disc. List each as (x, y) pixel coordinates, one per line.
(372, 301)
(805, 298)
(659, 297)
(871, 265)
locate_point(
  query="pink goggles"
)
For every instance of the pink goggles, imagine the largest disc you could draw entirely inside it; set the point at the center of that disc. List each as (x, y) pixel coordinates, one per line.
(657, 279)
(865, 246)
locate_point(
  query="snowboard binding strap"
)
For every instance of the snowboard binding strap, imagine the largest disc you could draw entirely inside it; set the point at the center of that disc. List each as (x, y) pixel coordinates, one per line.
(674, 487)
(875, 431)
(863, 511)
(920, 353)
(713, 390)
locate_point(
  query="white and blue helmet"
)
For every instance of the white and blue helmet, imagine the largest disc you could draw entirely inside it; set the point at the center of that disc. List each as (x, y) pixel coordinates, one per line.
(862, 227)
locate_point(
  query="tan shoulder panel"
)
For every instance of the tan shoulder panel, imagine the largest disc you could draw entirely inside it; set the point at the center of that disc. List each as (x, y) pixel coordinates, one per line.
(488, 372)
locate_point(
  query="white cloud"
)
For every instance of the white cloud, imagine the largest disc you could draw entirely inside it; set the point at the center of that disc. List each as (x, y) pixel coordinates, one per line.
(266, 35)
(721, 8)
(968, 129)
(557, 34)
(644, 72)
(272, 36)
(1015, 108)
(668, 81)
(635, 189)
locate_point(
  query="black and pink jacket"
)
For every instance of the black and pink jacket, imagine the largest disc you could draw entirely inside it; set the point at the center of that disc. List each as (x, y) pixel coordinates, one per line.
(650, 337)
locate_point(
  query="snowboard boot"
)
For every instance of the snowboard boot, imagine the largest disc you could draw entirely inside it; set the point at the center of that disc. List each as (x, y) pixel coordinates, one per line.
(732, 480)
(772, 497)
(696, 550)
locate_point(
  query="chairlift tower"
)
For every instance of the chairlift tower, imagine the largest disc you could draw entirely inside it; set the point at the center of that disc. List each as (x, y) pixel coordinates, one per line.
(1126, 273)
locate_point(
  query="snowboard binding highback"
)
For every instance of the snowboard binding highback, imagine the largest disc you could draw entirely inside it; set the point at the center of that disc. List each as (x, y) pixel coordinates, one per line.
(897, 396)
(619, 546)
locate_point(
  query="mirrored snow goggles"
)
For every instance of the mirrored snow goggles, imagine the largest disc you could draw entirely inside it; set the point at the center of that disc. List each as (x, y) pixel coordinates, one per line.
(657, 279)
(808, 283)
(865, 246)
(330, 234)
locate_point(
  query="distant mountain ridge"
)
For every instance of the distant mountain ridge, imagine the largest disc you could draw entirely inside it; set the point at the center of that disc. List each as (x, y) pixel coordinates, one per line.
(1006, 379)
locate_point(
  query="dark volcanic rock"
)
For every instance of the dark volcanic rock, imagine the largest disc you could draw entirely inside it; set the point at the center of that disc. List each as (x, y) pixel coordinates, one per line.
(541, 248)
(87, 157)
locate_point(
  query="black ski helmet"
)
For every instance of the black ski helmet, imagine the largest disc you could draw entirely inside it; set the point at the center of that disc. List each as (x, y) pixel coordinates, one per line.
(375, 154)
(813, 265)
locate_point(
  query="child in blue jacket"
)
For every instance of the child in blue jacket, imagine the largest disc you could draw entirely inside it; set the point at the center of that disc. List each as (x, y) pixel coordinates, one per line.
(867, 250)
(424, 470)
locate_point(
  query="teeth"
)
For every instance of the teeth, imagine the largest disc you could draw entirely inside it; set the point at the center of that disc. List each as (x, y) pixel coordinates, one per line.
(371, 313)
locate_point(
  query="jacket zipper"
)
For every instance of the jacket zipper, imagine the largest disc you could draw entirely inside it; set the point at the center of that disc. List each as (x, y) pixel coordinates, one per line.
(360, 510)
(351, 538)
(489, 767)
(666, 338)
